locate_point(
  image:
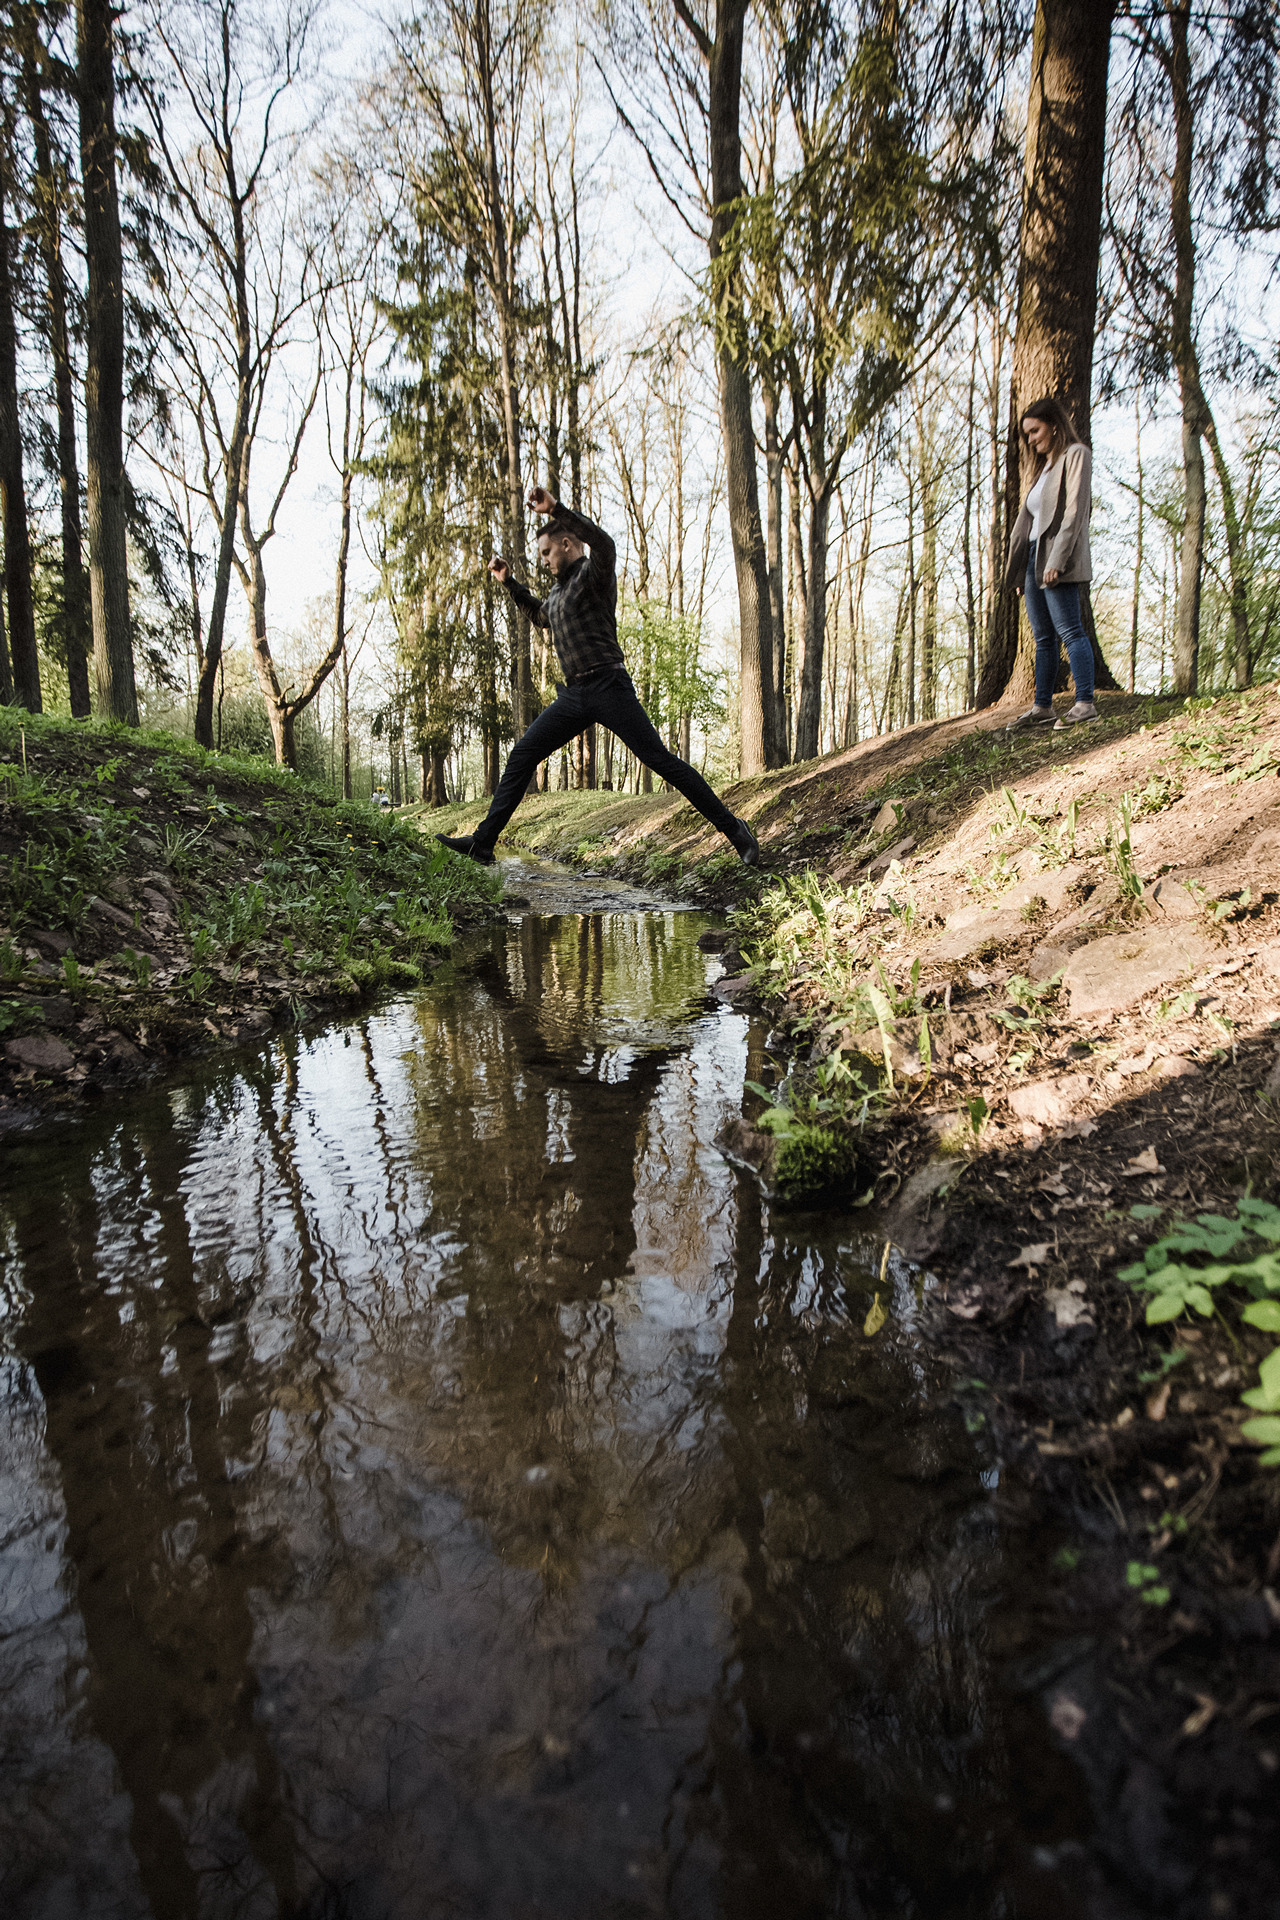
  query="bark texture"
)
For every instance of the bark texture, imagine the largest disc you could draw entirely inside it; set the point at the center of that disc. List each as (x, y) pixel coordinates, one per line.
(723, 55)
(13, 497)
(1057, 278)
(77, 629)
(104, 371)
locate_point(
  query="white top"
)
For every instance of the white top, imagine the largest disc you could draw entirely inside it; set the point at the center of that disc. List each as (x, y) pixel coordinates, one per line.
(1035, 501)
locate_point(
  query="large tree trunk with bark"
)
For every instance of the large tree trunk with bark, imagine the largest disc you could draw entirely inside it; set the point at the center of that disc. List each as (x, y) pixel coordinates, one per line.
(1057, 279)
(777, 602)
(755, 625)
(104, 370)
(13, 496)
(1195, 414)
(809, 711)
(77, 627)
(6, 671)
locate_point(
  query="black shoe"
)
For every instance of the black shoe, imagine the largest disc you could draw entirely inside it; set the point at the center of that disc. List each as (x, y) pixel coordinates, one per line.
(745, 843)
(466, 843)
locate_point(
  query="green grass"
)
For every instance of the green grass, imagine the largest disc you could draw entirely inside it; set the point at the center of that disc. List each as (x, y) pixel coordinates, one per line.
(270, 872)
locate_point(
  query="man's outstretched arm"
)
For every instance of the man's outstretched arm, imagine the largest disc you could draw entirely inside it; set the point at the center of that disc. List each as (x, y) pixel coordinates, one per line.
(527, 602)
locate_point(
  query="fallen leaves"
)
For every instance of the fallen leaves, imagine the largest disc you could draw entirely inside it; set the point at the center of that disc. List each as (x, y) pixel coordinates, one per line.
(1158, 1402)
(1068, 1305)
(967, 1304)
(1034, 1256)
(1142, 1163)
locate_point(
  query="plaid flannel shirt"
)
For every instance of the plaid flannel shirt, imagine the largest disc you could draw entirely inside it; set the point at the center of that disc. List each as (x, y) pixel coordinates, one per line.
(581, 610)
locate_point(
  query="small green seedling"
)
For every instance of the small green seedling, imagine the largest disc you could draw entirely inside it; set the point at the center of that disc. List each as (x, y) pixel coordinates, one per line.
(1146, 1583)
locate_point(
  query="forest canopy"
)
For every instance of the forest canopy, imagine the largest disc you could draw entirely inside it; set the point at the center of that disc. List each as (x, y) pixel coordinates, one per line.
(295, 310)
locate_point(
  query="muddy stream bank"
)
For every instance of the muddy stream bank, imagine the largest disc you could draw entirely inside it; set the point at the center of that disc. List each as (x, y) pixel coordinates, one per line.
(434, 1483)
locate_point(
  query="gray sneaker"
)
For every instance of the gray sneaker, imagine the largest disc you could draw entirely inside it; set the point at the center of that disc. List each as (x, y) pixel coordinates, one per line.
(1033, 717)
(1078, 716)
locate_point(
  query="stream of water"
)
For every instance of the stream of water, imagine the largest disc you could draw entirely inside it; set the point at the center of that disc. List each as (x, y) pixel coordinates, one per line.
(433, 1483)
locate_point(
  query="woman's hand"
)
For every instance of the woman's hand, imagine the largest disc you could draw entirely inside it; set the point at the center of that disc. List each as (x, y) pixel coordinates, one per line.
(540, 501)
(1052, 575)
(500, 570)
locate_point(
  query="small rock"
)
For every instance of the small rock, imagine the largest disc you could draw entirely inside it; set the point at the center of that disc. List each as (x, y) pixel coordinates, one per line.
(103, 909)
(49, 940)
(57, 1010)
(1049, 1103)
(41, 1053)
(714, 940)
(1046, 961)
(897, 852)
(735, 988)
(1177, 1067)
(1115, 972)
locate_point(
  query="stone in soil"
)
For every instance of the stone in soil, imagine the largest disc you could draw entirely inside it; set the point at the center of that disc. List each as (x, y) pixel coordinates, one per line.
(1115, 972)
(41, 1052)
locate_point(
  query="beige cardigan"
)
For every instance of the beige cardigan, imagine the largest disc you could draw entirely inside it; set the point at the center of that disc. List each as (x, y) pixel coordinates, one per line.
(1064, 519)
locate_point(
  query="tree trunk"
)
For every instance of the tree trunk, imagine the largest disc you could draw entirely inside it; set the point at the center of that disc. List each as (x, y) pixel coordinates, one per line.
(1057, 277)
(507, 318)
(777, 601)
(76, 624)
(346, 725)
(1186, 619)
(6, 671)
(104, 369)
(913, 594)
(809, 713)
(1137, 558)
(756, 641)
(1186, 639)
(13, 496)
(279, 713)
(928, 574)
(970, 603)
(1237, 559)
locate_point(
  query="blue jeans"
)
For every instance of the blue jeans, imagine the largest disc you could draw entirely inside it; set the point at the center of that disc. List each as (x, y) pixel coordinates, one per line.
(1054, 613)
(609, 698)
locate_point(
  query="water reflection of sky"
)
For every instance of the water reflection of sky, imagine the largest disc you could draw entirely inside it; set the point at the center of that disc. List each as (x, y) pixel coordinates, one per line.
(428, 1466)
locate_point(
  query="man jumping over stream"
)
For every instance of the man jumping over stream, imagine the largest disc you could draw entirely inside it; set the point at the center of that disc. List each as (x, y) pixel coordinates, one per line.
(581, 613)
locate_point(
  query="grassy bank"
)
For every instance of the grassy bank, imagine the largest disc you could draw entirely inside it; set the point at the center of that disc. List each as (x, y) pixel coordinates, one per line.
(155, 899)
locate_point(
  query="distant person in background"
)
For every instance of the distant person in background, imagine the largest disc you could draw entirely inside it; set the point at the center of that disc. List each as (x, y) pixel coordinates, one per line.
(1049, 562)
(581, 613)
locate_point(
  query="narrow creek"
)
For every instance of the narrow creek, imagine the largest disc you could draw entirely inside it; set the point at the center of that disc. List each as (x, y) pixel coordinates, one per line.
(432, 1482)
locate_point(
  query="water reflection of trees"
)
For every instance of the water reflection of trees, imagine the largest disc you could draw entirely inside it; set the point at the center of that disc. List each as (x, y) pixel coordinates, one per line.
(451, 1322)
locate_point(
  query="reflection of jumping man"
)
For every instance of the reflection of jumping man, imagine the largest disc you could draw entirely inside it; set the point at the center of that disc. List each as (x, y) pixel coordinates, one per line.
(581, 613)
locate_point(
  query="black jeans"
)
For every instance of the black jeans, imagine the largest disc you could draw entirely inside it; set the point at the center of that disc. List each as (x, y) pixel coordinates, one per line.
(609, 699)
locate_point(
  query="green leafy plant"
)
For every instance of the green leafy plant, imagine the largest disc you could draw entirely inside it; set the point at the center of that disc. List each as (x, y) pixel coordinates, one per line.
(1147, 1584)
(1118, 851)
(140, 965)
(1188, 1284)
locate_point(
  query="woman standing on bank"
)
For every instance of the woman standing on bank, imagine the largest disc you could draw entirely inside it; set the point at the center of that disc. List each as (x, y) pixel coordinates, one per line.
(1049, 561)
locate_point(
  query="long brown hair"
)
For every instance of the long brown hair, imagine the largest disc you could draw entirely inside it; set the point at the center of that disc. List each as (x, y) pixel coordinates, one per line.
(1055, 415)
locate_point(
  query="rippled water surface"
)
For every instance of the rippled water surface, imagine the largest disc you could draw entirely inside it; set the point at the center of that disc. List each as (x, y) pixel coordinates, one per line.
(433, 1483)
